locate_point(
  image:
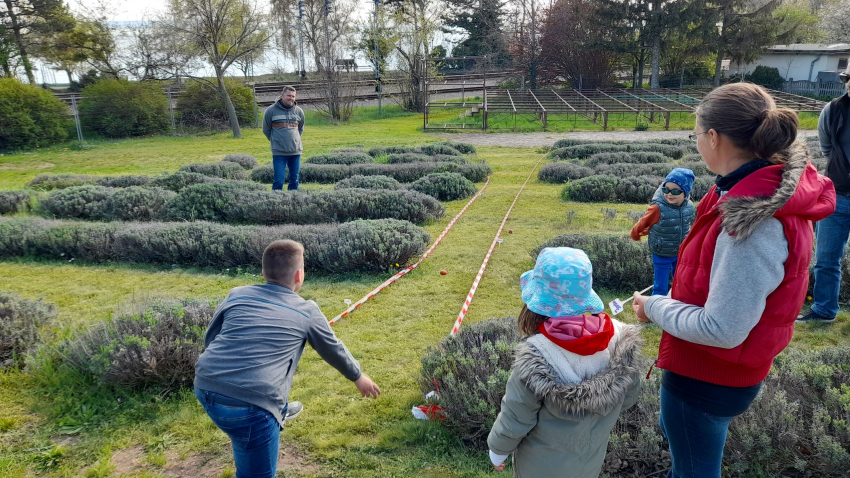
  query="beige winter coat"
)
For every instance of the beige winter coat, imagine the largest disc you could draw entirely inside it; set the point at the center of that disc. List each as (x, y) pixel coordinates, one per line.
(557, 429)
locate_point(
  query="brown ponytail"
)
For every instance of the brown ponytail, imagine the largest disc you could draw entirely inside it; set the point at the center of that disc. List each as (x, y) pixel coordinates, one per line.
(747, 114)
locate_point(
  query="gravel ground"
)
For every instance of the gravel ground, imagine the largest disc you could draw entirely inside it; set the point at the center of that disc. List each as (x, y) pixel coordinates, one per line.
(536, 140)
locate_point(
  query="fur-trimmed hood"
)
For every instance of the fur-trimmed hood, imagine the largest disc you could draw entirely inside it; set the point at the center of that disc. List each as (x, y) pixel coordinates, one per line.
(792, 189)
(598, 394)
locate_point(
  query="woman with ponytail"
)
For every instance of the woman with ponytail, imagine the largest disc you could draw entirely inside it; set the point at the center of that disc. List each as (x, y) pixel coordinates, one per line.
(742, 275)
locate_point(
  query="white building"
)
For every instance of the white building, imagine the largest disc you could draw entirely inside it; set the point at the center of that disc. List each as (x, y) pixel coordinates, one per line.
(802, 61)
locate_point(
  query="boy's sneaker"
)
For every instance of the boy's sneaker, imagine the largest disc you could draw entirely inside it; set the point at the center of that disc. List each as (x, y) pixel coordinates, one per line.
(293, 410)
(813, 318)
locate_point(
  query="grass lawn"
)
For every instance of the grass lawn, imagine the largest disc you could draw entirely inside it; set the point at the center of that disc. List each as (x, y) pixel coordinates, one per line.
(56, 423)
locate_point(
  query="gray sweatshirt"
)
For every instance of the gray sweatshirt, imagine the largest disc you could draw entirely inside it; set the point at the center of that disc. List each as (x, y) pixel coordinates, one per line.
(255, 341)
(827, 142)
(743, 274)
(283, 127)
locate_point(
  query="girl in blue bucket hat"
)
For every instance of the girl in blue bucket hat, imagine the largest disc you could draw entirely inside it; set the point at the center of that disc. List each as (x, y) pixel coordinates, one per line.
(576, 370)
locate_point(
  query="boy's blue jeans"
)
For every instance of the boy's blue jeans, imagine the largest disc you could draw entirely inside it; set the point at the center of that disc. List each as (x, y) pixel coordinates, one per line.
(280, 164)
(665, 269)
(253, 431)
(831, 238)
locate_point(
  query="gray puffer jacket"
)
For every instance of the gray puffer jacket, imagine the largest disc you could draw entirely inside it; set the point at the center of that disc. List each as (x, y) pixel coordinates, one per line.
(556, 429)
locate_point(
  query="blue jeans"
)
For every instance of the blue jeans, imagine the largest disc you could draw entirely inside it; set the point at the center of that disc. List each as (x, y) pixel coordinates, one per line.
(665, 269)
(830, 238)
(253, 431)
(280, 163)
(696, 438)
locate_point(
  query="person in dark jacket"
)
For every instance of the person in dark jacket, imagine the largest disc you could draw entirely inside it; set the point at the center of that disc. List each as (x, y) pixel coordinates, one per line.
(283, 125)
(832, 232)
(667, 221)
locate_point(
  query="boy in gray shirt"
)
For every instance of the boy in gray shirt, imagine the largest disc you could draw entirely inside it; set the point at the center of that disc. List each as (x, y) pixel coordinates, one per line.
(253, 346)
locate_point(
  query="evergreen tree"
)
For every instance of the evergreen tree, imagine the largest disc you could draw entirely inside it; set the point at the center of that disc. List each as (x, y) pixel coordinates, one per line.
(29, 23)
(481, 21)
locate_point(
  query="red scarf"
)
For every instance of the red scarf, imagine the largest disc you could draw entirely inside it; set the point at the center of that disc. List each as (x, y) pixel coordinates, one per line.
(582, 335)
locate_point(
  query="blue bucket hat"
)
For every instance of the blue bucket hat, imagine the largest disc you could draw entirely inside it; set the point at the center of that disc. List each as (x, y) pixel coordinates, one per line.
(561, 284)
(682, 177)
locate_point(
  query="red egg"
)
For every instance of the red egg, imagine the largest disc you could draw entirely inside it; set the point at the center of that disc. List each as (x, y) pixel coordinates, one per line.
(510, 231)
(443, 272)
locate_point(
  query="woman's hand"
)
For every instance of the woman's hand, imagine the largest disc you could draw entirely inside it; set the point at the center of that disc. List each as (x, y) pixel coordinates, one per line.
(500, 467)
(638, 305)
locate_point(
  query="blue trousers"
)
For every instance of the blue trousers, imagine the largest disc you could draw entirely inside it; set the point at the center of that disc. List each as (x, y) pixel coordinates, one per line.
(253, 431)
(665, 269)
(831, 238)
(280, 163)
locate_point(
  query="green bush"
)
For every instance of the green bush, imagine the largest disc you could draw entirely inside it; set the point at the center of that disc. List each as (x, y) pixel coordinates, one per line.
(225, 170)
(368, 182)
(464, 148)
(135, 203)
(405, 173)
(626, 170)
(701, 186)
(386, 150)
(357, 246)
(566, 143)
(46, 182)
(638, 189)
(119, 108)
(247, 161)
(587, 150)
(16, 201)
(222, 202)
(767, 77)
(619, 263)
(340, 158)
(181, 179)
(125, 181)
(698, 167)
(562, 172)
(639, 157)
(591, 189)
(470, 370)
(357, 149)
(81, 202)
(21, 320)
(445, 186)
(438, 148)
(418, 158)
(201, 106)
(30, 116)
(151, 344)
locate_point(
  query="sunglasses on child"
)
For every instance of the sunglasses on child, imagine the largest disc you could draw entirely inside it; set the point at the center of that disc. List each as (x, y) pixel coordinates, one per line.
(674, 192)
(844, 77)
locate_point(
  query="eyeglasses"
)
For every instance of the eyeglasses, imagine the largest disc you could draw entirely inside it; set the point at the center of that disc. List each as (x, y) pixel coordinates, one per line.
(674, 192)
(844, 77)
(694, 136)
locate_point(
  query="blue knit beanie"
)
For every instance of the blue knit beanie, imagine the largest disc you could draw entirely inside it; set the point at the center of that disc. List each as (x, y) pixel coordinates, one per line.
(682, 177)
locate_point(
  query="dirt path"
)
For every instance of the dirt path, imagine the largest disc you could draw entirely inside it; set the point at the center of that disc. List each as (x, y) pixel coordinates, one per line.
(536, 140)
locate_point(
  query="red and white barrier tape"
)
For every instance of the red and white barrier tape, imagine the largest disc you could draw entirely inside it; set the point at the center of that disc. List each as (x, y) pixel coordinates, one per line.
(409, 268)
(474, 287)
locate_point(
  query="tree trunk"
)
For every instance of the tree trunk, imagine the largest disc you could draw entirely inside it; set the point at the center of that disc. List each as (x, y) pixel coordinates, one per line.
(231, 111)
(656, 63)
(718, 65)
(641, 64)
(7, 70)
(721, 48)
(19, 41)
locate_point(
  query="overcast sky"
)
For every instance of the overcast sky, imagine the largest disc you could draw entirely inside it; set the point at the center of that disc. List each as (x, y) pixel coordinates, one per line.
(121, 10)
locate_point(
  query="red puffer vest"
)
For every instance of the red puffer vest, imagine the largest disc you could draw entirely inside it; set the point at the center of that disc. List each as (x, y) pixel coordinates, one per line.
(796, 195)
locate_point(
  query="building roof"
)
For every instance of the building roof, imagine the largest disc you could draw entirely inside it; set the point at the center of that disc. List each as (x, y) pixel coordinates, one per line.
(811, 48)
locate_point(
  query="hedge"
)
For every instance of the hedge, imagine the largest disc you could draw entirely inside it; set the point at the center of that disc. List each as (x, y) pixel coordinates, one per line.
(639, 157)
(698, 167)
(46, 182)
(701, 186)
(591, 189)
(333, 173)
(232, 204)
(357, 246)
(438, 148)
(16, 201)
(340, 158)
(124, 181)
(247, 161)
(180, 180)
(386, 150)
(464, 148)
(444, 186)
(118, 108)
(30, 116)
(625, 170)
(566, 143)
(368, 182)
(21, 320)
(76, 202)
(584, 151)
(135, 203)
(221, 169)
(201, 106)
(638, 189)
(562, 172)
(420, 158)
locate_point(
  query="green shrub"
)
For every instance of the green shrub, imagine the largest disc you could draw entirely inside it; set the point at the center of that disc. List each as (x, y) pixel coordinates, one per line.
(639, 157)
(348, 150)
(470, 370)
(591, 189)
(562, 172)
(698, 167)
(201, 106)
(368, 182)
(119, 108)
(767, 77)
(247, 161)
(135, 203)
(464, 148)
(46, 182)
(418, 158)
(701, 186)
(619, 263)
(566, 143)
(152, 344)
(638, 189)
(30, 116)
(16, 201)
(125, 181)
(386, 150)
(625, 170)
(21, 320)
(181, 179)
(357, 246)
(445, 158)
(340, 158)
(223, 202)
(641, 126)
(225, 170)
(445, 186)
(587, 150)
(405, 173)
(83, 202)
(438, 148)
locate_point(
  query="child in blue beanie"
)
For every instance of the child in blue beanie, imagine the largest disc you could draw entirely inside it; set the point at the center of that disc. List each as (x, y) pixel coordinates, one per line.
(667, 222)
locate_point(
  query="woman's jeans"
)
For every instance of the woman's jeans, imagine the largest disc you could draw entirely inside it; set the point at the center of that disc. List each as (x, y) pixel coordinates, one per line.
(696, 438)
(831, 238)
(665, 268)
(280, 164)
(253, 431)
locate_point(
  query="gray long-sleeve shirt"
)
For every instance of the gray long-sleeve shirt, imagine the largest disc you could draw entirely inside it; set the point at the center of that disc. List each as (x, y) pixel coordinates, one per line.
(827, 142)
(743, 274)
(284, 127)
(255, 341)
